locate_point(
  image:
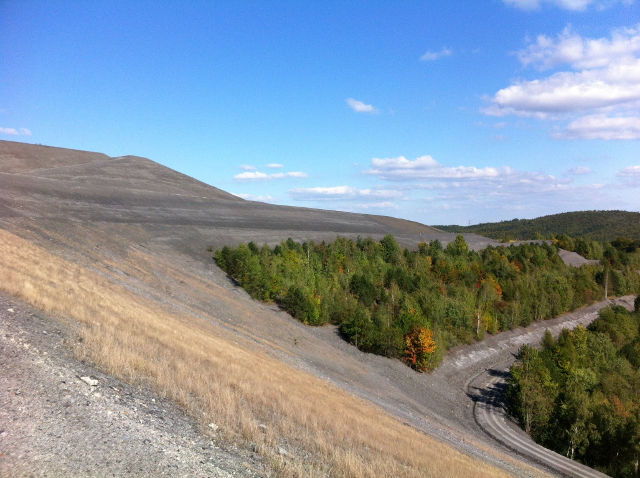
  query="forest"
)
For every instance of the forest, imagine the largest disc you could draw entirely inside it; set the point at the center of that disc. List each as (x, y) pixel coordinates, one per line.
(416, 304)
(603, 226)
(580, 394)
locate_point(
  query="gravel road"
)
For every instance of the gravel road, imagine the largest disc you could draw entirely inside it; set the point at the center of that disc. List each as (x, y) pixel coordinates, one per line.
(491, 417)
(487, 388)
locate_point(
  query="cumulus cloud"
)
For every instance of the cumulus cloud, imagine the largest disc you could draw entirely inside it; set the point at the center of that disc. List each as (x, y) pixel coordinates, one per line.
(275, 165)
(360, 107)
(425, 167)
(573, 5)
(247, 167)
(343, 193)
(598, 96)
(470, 186)
(423, 188)
(617, 85)
(434, 55)
(258, 175)
(15, 131)
(603, 127)
(571, 49)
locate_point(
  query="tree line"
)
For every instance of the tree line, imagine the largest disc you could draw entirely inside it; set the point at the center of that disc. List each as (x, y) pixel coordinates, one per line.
(414, 305)
(580, 394)
(603, 226)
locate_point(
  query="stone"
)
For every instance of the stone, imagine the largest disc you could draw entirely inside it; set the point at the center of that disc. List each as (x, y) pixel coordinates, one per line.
(89, 381)
(213, 426)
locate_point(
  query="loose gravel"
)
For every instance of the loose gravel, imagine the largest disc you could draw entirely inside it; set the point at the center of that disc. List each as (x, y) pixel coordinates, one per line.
(62, 417)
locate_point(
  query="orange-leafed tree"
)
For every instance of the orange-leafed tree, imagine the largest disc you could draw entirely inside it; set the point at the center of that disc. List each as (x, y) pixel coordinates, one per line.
(419, 348)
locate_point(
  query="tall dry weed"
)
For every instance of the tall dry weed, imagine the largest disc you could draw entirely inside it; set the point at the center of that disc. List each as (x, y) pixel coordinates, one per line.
(324, 430)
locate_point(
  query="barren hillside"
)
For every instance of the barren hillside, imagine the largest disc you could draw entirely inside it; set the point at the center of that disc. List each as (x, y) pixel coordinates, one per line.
(115, 249)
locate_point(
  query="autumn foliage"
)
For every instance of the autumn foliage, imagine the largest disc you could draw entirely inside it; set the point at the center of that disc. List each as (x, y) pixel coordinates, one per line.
(419, 348)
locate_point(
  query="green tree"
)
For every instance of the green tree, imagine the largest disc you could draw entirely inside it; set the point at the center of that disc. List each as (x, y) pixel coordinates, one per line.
(531, 391)
(390, 249)
(458, 247)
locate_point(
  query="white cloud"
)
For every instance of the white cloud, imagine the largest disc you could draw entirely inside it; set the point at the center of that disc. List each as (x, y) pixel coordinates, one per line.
(523, 4)
(343, 193)
(574, 5)
(617, 85)
(247, 167)
(251, 175)
(258, 175)
(425, 167)
(598, 97)
(424, 189)
(360, 107)
(473, 188)
(251, 197)
(630, 172)
(434, 55)
(578, 52)
(378, 205)
(630, 177)
(603, 127)
(275, 165)
(580, 170)
(15, 131)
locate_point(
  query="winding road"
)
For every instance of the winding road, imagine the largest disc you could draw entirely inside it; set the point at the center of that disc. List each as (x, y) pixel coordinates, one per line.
(488, 388)
(491, 416)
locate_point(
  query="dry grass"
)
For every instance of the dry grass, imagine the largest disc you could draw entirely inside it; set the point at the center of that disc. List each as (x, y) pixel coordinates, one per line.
(326, 430)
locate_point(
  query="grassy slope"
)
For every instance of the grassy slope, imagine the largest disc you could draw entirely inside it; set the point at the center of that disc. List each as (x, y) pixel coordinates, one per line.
(188, 360)
(594, 225)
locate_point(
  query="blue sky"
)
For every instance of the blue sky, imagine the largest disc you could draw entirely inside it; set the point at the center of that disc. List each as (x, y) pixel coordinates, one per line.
(441, 112)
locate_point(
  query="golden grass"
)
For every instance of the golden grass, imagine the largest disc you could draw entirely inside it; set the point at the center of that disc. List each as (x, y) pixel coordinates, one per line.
(325, 430)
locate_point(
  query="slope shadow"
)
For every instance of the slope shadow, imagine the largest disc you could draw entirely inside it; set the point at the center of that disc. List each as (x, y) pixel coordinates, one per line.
(493, 394)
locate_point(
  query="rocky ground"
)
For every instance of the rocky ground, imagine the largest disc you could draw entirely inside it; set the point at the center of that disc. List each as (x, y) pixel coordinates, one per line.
(62, 417)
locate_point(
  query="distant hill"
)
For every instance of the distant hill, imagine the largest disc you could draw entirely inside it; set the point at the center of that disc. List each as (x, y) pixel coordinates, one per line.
(593, 225)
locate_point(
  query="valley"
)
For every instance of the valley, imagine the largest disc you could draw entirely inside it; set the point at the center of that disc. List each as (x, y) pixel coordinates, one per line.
(115, 251)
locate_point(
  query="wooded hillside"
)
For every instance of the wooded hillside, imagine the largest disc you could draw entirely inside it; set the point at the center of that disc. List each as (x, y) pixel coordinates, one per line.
(414, 305)
(595, 225)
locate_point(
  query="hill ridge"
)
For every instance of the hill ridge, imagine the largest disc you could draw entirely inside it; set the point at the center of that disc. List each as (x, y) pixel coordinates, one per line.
(603, 225)
(87, 186)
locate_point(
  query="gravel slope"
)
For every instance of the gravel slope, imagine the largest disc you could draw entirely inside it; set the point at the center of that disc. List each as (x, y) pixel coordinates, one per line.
(146, 228)
(61, 417)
